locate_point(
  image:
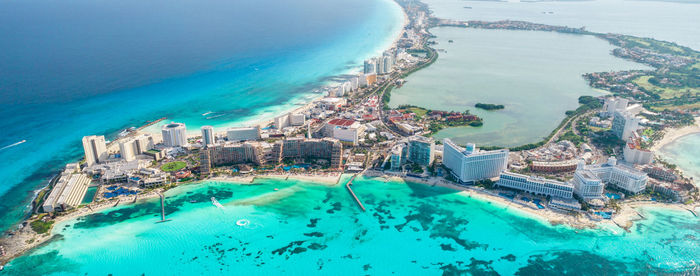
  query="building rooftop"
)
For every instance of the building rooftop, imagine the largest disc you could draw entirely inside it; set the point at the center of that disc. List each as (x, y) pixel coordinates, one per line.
(341, 122)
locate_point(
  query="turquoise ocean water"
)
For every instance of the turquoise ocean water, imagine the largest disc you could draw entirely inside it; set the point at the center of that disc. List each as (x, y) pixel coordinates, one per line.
(685, 152)
(70, 69)
(306, 228)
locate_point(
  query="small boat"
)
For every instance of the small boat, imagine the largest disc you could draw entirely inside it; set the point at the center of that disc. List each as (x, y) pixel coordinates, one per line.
(242, 222)
(277, 189)
(12, 145)
(193, 201)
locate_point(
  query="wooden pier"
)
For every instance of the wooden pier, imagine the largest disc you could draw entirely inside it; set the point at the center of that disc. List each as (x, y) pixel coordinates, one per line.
(353, 193)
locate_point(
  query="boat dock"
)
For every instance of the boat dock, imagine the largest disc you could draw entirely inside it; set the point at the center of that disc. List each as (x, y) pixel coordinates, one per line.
(353, 193)
(162, 209)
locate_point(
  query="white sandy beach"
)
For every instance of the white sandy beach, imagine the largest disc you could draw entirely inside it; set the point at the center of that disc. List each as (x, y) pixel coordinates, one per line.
(673, 134)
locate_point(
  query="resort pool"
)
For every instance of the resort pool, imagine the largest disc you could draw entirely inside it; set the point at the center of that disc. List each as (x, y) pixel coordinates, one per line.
(298, 166)
(613, 195)
(118, 192)
(537, 203)
(605, 215)
(89, 195)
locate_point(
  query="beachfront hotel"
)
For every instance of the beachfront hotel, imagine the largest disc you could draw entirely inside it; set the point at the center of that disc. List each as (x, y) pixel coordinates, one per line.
(471, 164)
(237, 134)
(69, 190)
(95, 149)
(397, 158)
(233, 153)
(421, 150)
(129, 148)
(303, 148)
(174, 134)
(207, 136)
(589, 181)
(536, 185)
(624, 124)
(126, 149)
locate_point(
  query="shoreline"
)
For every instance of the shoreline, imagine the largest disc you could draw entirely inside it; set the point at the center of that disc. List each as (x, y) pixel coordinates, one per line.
(303, 101)
(17, 244)
(624, 219)
(674, 134)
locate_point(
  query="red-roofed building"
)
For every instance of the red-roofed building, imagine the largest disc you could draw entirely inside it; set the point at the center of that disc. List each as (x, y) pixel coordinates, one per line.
(347, 131)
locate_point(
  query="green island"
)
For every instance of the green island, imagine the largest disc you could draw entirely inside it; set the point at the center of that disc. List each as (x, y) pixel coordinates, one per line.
(486, 106)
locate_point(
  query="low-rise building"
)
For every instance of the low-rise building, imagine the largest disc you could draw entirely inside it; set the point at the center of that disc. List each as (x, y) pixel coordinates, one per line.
(567, 204)
(554, 167)
(536, 185)
(67, 193)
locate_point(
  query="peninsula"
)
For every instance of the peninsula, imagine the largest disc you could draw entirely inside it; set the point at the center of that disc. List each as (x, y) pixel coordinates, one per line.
(595, 168)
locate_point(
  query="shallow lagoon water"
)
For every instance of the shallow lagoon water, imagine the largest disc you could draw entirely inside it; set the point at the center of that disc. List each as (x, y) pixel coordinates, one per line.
(536, 75)
(670, 20)
(307, 228)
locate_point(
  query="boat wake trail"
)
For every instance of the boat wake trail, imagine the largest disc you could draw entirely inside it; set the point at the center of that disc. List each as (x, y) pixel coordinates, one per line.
(12, 145)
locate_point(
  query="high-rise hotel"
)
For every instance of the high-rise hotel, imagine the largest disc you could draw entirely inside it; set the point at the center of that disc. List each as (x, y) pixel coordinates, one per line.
(174, 134)
(95, 149)
(471, 164)
(207, 136)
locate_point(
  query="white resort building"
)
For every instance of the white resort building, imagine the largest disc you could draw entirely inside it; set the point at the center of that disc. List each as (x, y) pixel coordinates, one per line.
(174, 134)
(589, 181)
(472, 164)
(536, 185)
(69, 190)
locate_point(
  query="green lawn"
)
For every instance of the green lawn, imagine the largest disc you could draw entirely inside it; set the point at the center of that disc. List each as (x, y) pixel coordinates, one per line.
(664, 93)
(420, 112)
(173, 166)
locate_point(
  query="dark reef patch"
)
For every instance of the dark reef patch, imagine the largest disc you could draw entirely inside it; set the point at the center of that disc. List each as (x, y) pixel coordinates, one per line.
(313, 222)
(314, 234)
(509, 257)
(567, 262)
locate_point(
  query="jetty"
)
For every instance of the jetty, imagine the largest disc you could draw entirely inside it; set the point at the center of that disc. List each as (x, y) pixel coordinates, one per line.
(134, 132)
(353, 193)
(162, 209)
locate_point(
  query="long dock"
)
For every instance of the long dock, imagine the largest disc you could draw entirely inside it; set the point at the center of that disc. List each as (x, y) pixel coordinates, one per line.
(353, 193)
(162, 209)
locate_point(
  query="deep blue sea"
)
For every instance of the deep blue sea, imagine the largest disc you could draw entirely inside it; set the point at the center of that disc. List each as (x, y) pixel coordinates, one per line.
(75, 68)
